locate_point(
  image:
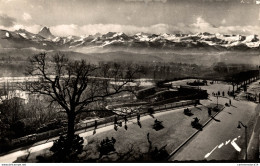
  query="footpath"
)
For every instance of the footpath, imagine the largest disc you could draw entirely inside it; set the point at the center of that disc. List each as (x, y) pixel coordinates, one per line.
(11, 156)
(254, 138)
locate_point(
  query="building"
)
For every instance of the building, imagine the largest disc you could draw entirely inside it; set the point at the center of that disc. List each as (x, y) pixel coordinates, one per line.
(20, 95)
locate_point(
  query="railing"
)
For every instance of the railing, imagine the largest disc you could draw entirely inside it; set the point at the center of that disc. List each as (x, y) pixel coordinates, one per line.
(90, 125)
(177, 104)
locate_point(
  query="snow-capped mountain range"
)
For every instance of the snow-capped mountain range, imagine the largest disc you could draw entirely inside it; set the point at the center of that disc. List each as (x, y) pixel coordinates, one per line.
(46, 40)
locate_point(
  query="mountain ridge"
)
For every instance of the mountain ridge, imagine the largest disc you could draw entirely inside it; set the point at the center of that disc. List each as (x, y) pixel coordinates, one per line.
(46, 40)
(46, 33)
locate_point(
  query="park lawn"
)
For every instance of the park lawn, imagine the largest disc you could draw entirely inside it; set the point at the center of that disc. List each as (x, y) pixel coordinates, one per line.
(32, 157)
(177, 129)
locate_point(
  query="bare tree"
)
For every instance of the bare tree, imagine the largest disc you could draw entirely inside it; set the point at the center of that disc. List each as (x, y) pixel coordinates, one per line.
(76, 85)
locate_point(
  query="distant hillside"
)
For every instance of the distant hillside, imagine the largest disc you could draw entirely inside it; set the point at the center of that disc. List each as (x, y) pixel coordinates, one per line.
(113, 40)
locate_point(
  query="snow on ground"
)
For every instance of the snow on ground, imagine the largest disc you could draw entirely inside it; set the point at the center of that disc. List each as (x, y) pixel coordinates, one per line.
(7, 34)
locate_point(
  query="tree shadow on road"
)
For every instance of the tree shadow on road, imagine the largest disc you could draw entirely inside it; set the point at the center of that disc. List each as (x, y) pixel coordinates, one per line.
(217, 120)
(197, 108)
(206, 106)
(236, 99)
(233, 106)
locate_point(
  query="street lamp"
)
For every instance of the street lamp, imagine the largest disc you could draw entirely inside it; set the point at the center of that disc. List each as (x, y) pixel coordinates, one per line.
(239, 127)
(217, 100)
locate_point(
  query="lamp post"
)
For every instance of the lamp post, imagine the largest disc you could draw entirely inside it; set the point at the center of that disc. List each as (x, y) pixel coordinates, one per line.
(217, 100)
(239, 127)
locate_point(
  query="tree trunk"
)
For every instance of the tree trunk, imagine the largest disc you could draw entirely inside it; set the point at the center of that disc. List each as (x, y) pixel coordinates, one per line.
(71, 129)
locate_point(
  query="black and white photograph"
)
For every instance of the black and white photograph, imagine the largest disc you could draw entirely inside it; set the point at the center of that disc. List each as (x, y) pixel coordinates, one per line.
(130, 81)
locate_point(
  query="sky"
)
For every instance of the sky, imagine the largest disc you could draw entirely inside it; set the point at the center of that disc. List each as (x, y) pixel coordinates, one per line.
(85, 17)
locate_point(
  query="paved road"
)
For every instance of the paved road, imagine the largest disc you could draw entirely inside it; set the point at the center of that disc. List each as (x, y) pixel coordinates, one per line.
(253, 145)
(220, 140)
(9, 158)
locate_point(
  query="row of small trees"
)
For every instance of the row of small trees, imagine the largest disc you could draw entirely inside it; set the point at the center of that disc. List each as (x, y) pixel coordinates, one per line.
(241, 79)
(18, 119)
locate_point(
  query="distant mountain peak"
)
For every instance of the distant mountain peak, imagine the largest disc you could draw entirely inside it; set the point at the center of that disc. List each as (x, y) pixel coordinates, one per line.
(205, 40)
(142, 34)
(44, 29)
(21, 30)
(46, 33)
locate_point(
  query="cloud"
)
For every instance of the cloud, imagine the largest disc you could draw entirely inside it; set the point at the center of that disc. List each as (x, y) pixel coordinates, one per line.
(6, 20)
(146, 1)
(6, 1)
(199, 25)
(91, 29)
(30, 28)
(223, 21)
(27, 16)
(66, 30)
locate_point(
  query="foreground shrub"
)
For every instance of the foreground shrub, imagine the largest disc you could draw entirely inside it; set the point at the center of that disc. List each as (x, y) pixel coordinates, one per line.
(64, 152)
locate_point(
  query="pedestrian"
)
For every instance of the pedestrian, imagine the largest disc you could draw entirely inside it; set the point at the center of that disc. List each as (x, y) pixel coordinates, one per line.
(156, 150)
(115, 120)
(113, 140)
(138, 117)
(95, 124)
(107, 140)
(156, 121)
(196, 119)
(229, 101)
(86, 126)
(209, 111)
(115, 127)
(125, 118)
(150, 144)
(223, 93)
(139, 124)
(218, 93)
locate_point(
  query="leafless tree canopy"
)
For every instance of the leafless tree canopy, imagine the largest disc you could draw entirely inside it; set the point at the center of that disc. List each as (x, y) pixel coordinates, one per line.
(76, 85)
